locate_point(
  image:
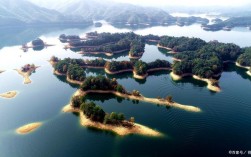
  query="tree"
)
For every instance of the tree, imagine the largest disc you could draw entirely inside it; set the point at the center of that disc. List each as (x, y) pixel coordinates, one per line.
(169, 98)
(132, 120)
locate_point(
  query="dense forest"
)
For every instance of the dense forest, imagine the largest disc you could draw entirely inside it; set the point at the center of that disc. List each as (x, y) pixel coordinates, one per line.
(245, 58)
(101, 83)
(207, 61)
(118, 65)
(96, 113)
(180, 44)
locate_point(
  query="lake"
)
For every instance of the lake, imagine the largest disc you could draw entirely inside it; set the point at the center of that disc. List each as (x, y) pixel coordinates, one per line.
(223, 125)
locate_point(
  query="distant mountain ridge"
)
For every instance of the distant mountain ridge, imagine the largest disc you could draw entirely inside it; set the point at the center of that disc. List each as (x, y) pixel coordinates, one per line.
(23, 12)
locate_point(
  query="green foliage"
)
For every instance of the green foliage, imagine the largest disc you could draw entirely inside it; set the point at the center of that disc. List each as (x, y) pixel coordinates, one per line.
(183, 67)
(140, 67)
(118, 65)
(75, 72)
(101, 83)
(169, 98)
(136, 93)
(62, 66)
(99, 62)
(180, 44)
(245, 58)
(114, 118)
(92, 111)
(76, 101)
(226, 52)
(137, 48)
(158, 64)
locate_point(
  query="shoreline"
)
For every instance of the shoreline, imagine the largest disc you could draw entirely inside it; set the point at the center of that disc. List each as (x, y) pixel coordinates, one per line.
(1, 71)
(176, 59)
(106, 53)
(171, 51)
(135, 57)
(249, 73)
(9, 94)
(238, 65)
(209, 83)
(74, 81)
(119, 130)
(141, 98)
(28, 128)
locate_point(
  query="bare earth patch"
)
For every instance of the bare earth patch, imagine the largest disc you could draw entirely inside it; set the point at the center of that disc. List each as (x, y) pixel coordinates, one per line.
(28, 128)
(9, 95)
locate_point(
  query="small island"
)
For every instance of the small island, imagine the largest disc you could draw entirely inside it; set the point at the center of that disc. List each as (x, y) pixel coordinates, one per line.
(98, 24)
(9, 95)
(28, 128)
(26, 71)
(1, 71)
(94, 116)
(37, 45)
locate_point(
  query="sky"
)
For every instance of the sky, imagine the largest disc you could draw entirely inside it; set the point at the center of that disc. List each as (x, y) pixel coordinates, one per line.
(187, 2)
(160, 3)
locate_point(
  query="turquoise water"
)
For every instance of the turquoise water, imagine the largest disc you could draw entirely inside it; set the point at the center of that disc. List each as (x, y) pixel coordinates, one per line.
(223, 124)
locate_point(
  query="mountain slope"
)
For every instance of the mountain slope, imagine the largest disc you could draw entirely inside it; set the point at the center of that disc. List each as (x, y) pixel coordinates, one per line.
(22, 11)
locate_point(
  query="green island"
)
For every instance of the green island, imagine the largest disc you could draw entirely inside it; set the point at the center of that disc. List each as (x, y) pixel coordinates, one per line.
(109, 44)
(37, 45)
(26, 71)
(93, 116)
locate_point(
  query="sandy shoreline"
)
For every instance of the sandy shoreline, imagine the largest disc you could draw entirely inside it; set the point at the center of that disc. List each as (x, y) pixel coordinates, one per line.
(106, 53)
(167, 48)
(9, 95)
(141, 98)
(135, 57)
(176, 59)
(26, 75)
(249, 73)
(120, 130)
(134, 73)
(28, 128)
(74, 81)
(245, 67)
(117, 72)
(209, 83)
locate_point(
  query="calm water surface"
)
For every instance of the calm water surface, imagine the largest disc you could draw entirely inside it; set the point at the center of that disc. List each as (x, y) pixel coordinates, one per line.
(223, 125)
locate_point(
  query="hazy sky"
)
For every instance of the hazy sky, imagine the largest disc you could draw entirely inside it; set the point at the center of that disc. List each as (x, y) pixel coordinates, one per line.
(188, 2)
(161, 3)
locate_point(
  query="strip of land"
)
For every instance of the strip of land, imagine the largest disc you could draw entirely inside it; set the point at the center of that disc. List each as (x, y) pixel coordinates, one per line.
(245, 67)
(141, 98)
(9, 95)
(208, 81)
(28, 128)
(171, 51)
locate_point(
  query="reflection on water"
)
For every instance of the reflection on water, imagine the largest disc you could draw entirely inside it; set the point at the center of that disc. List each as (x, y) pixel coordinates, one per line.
(223, 124)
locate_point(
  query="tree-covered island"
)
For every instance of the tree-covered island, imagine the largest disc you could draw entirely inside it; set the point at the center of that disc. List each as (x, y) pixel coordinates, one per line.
(26, 71)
